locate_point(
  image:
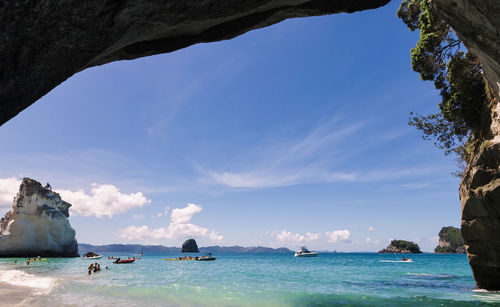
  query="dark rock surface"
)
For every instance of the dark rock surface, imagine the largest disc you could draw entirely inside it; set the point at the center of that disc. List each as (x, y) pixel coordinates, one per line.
(450, 241)
(477, 23)
(480, 198)
(37, 225)
(401, 247)
(190, 246)
(42, 43)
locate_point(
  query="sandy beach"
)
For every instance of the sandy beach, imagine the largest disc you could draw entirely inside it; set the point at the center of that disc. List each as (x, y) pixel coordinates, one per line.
(11, 295)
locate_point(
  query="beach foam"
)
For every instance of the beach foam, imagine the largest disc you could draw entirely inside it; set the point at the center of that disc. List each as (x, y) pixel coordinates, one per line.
(42, 285)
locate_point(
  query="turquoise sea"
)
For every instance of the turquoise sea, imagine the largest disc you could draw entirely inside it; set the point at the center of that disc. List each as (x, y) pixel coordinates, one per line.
(331, 279)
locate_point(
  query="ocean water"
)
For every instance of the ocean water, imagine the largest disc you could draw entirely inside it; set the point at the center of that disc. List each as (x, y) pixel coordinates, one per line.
(331, 279)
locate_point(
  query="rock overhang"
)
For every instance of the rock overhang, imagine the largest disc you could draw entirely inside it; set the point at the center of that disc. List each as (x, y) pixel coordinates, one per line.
(45, 42)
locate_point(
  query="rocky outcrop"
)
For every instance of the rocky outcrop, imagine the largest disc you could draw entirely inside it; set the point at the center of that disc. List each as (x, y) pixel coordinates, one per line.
(401, 247)
(42, 43)
(450, 241)
(190, 246)
(37, 225)
(477, 23)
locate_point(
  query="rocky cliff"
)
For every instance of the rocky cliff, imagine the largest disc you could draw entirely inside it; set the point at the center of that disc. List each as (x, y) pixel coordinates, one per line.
(477, 23)
(190, 246)
(450, 241)
(42, 43)
(401, 247)
(37, 225)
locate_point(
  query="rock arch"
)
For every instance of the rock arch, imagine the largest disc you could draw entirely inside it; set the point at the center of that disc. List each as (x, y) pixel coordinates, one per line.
(42, 43)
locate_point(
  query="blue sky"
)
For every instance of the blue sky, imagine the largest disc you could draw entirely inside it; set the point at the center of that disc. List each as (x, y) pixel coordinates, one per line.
(288, 135)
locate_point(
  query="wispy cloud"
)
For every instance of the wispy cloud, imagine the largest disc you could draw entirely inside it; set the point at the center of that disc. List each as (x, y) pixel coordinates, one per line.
(319, 156)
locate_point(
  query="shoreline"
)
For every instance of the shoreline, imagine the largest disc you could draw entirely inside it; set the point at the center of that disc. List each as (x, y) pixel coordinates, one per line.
(13, 294)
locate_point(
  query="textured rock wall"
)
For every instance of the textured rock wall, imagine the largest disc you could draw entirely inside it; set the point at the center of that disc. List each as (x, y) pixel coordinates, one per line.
(190, 246)
(44, 42)
(477, 23)
(37, 225)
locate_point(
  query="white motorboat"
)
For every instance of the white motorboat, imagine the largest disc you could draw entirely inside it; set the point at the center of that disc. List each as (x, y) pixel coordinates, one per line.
(91, 255)
(304, 252)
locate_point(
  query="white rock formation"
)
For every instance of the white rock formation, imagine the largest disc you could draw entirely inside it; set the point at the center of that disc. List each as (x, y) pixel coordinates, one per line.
(37, 225)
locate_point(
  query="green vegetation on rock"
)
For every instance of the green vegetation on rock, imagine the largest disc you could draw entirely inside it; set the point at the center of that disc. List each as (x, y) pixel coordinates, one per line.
(402, 246)
(450, 241)
(439, 56)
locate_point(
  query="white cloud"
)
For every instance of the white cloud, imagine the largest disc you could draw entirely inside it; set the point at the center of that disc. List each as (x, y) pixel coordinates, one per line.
(369, 240)
(103, 200)
(8, 190)
(287, 236)
(178, 228)
(371, 228)
(339, 236)
(137, 216)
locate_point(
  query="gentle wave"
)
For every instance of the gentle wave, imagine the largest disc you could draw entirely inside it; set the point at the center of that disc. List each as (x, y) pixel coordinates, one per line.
(19, 278)
(408, 261)
(425, 275)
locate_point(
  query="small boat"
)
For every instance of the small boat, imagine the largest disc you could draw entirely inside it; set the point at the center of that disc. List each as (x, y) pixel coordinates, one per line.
(205, 258)
(406, 260)
(91, 255)
(124, 260)
(208, 257)
(304, 252)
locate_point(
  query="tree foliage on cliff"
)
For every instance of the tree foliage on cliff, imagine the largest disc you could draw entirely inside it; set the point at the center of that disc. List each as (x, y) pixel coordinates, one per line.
(406, 245)
(453, 237)
(439, 56)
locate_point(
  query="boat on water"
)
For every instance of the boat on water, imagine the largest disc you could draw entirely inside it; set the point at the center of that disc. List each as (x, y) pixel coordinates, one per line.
(91, 255)
(207, 257)
(124, 260)
(406, 260)
(304, 252)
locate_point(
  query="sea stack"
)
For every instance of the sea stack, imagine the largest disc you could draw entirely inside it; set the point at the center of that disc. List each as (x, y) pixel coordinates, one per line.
(190, 246)
(450, 241)
(37, 225)
(401, 247)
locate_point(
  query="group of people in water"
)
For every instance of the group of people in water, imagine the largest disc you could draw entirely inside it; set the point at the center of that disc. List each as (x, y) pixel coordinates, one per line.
(187, 258)
(29, 260)
(96, 267)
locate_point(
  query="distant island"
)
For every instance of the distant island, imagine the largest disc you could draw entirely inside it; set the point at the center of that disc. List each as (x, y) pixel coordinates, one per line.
(450, 241)
(402, 247)
(135, 248)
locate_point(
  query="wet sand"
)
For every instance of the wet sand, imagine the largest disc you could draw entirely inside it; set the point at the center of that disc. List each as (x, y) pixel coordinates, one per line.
(11, 295)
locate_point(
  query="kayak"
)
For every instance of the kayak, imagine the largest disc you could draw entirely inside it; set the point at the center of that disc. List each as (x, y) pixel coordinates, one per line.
(124, 260)
(42, 259)
(177, 259)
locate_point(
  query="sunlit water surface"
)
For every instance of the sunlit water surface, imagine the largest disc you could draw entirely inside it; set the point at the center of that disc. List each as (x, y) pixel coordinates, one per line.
(338, 279)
